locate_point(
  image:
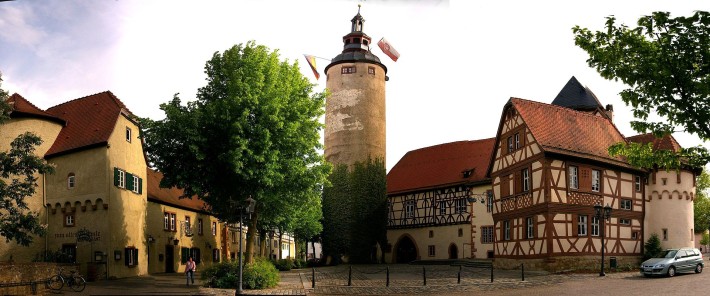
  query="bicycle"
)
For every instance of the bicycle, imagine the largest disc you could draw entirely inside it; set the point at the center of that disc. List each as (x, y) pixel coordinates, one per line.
(74, 280)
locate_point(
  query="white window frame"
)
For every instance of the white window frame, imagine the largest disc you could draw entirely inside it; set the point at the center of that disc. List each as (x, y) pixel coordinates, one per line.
(573, 177)
(595, 226)
(136, 184)
(442, 207)
(409, 209)
(596, 180)
(69, 220)
(582, 225)
(214, 228)
(461, 205)
(526, 180)
(637, 183)
(489, 206)
(166, 221)
(129, 134)
(71, 181)
(517, 141)
(626, 204)
(121, 178)
(173, 220)
(487, 237)
(530, 227)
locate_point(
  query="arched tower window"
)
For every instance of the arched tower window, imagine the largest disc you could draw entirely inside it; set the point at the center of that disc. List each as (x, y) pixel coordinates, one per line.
(71, 181)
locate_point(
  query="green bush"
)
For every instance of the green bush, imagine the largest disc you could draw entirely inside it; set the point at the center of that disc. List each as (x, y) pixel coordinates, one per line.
(261, 274)
(299, 263)
(284, 264)
(224, 274)
(652, 248)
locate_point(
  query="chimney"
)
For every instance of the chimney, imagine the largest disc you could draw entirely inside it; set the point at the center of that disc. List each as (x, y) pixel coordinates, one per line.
(610, 112)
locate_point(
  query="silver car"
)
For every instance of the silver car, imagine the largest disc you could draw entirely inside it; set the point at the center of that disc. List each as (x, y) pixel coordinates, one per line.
(673, 261)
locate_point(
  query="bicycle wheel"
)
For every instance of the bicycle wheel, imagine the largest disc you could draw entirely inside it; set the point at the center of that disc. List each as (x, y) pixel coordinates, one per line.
(56, 282)
(79, 284)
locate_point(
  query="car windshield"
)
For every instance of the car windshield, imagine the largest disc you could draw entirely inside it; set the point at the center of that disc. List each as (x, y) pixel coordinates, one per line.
(668, 254)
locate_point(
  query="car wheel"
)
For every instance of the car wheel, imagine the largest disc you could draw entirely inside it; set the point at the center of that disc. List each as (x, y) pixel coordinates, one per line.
(699, 268)
(671, 271)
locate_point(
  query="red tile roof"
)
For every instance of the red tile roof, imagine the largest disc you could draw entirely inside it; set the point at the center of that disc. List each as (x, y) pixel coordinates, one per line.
(668, 142)
(170, 196)
(440, 166)
(89, 122)
(566, 131)
(22, 107)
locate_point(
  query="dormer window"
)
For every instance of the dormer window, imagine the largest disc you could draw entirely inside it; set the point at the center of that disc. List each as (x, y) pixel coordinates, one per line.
(467, 173)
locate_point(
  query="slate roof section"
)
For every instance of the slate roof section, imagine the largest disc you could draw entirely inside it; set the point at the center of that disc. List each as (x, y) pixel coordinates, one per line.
(565, 131)
(668, 142)
(23, 108)
(89, 120)
(171, 196)
(576, 96)
(441, 166)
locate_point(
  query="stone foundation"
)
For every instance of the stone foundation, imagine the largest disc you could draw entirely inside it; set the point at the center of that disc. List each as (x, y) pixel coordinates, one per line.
(12, 272)
(570, 263)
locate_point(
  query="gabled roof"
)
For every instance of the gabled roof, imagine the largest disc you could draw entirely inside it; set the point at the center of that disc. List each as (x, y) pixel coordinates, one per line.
(171, 196)
(89, 122)
(565, 131)
(575, 96)
(440, 166)
(668, 142)
(23, 108)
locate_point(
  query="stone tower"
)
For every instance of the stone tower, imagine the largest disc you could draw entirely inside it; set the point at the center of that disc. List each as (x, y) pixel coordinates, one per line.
(355, 110)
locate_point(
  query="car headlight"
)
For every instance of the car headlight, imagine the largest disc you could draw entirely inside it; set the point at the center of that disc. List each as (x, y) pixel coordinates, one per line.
(659, 266)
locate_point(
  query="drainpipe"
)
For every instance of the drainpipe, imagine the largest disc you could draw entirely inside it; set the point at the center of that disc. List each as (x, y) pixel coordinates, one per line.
(46, 213)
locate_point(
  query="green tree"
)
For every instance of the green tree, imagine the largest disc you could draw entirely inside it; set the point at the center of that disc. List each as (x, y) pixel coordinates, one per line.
(19, 168)
(666, 64)
(701, 203)
(652, 248)
(253, 131)
(337, 212)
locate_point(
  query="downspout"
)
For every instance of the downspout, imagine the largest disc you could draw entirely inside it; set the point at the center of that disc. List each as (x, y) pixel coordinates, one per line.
(46, 214)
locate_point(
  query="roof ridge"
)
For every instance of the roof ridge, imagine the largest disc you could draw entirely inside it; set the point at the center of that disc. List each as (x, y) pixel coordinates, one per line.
(454, 142)
(80, 98)
(566, 109)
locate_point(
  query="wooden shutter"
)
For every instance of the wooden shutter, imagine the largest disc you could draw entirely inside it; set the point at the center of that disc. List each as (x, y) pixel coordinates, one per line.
(517, 183)
(575, 222)
(126, 253)
(184, 254)
(140, 185)
(135, 256)
(129, 181)
(585, 179)
(504, 186)
(115, 176)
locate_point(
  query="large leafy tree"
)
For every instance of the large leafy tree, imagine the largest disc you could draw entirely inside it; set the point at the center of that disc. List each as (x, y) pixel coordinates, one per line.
(253, 131)
(19, 170)
(666, 64)
(701, 203)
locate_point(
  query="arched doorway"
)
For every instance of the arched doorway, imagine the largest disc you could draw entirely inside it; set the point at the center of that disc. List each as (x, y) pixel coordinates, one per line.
(453, 252)
(406, 250)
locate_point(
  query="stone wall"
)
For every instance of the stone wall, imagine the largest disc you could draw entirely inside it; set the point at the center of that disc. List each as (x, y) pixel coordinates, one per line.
(570, 263)
(11, 272)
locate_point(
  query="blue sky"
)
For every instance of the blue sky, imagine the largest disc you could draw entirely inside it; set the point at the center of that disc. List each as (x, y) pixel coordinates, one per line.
(460, 60)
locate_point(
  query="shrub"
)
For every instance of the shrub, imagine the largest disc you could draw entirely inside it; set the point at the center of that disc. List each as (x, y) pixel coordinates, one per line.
(652, 248)
(260, 275)
(284, 264)
(225, 274)
(299, 263)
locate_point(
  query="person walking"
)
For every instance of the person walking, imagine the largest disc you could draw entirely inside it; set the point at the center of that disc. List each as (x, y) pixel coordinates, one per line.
(190, 271)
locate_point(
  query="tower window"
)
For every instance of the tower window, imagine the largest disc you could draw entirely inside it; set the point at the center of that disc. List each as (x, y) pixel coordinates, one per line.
(371, 70)
(357, 40)
(128, 134)
(71, 181)
(348, 70)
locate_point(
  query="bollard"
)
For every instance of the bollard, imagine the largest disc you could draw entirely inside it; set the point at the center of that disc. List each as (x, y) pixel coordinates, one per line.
(313, 278)
(522, 267)
(350, 276)
(388, 276)
(459, 275)
(491, 273)
(424, 274)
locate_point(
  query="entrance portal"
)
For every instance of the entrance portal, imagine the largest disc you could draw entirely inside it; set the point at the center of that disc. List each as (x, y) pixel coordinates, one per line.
(169, 259)
(406, 250)
(453, 252)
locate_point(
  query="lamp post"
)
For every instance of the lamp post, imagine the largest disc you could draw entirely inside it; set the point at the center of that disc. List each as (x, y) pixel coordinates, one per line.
(602, 214)
(248, 208)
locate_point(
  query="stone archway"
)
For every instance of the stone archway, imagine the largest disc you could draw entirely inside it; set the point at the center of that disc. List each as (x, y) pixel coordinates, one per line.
(406, 250)
(453, 251)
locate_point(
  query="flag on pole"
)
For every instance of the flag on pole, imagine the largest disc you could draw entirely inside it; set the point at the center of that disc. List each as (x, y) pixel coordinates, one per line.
(312, 62)
(388, 49)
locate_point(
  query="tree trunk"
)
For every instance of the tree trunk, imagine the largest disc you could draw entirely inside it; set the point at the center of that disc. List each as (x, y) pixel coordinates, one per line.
(262, 245)
(251, 235)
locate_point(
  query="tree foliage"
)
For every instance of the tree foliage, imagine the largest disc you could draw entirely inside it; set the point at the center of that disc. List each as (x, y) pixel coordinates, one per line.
(701, 203)
(666, 64)
(652, 248)
(355, 211)
(253, 131)
(19, 170)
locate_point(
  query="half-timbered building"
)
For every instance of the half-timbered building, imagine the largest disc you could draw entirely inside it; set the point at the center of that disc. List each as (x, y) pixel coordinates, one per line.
(550, 166)
(434, 200)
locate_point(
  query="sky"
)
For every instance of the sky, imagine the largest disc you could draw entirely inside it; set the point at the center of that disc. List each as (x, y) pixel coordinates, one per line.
(460, 62)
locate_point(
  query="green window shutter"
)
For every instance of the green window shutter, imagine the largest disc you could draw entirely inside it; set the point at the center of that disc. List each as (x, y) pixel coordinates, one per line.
(129, 181)
(126, 253)
(140, 185)
(135, 256)
(115, 176)
(184, 253)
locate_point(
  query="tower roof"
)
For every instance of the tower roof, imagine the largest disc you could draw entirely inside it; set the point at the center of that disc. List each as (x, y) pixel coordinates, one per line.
(356, 45)
(575, 96)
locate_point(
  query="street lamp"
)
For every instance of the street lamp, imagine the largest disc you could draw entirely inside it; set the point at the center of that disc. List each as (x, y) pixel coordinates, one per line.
(246, 208)
(602, 214)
